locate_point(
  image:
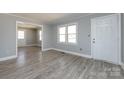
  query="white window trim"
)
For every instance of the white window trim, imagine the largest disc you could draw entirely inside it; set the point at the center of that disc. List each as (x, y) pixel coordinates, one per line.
(66, 38)
(40, 35)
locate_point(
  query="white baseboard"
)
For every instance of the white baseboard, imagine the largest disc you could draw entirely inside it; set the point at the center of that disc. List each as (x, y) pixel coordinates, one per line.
(47, 49)
(74, 53)
(69, 52)
(78, 54)
(7, 58)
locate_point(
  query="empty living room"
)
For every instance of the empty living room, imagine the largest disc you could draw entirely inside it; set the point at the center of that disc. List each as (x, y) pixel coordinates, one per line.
(61, 46)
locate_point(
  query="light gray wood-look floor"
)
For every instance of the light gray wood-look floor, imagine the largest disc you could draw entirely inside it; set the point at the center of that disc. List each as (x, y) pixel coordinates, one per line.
(32, 64)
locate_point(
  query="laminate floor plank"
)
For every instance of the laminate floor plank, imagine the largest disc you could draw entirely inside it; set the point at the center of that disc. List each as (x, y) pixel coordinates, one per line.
(34, 64)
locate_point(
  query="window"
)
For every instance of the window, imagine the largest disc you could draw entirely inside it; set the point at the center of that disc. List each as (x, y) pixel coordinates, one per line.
(62, 34)
(20, 34)
(68, 34)
(72, 34)
(40, 35)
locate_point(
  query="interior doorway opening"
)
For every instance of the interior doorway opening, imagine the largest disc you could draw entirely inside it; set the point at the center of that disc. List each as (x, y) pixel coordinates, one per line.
(28, 35)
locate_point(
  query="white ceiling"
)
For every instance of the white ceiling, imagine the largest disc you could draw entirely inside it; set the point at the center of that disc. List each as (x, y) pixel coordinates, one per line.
(51, 18)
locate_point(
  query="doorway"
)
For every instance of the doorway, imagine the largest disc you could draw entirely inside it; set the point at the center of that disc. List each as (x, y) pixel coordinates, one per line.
(28, 35)
(106, 38)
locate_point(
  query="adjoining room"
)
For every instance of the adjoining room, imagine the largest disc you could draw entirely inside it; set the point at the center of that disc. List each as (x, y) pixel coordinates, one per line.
(29, 36)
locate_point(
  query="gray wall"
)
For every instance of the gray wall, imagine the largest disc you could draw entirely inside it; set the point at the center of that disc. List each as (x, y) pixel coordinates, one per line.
(8, 34)
(84, 29)
(38, 42)
(47, 36)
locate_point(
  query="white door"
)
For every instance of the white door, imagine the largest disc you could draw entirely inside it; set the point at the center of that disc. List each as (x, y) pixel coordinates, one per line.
(106, 37)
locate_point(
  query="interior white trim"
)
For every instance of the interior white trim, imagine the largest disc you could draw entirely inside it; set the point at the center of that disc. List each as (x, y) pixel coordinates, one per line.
(42, 38)
(29, 23)
(120, 62)
(74, 53)
(47, 49)
(69, 52)
(7, 58)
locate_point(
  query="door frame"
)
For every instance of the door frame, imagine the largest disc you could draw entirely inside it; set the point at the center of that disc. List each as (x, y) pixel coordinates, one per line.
(17, 34)
(119, 22)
